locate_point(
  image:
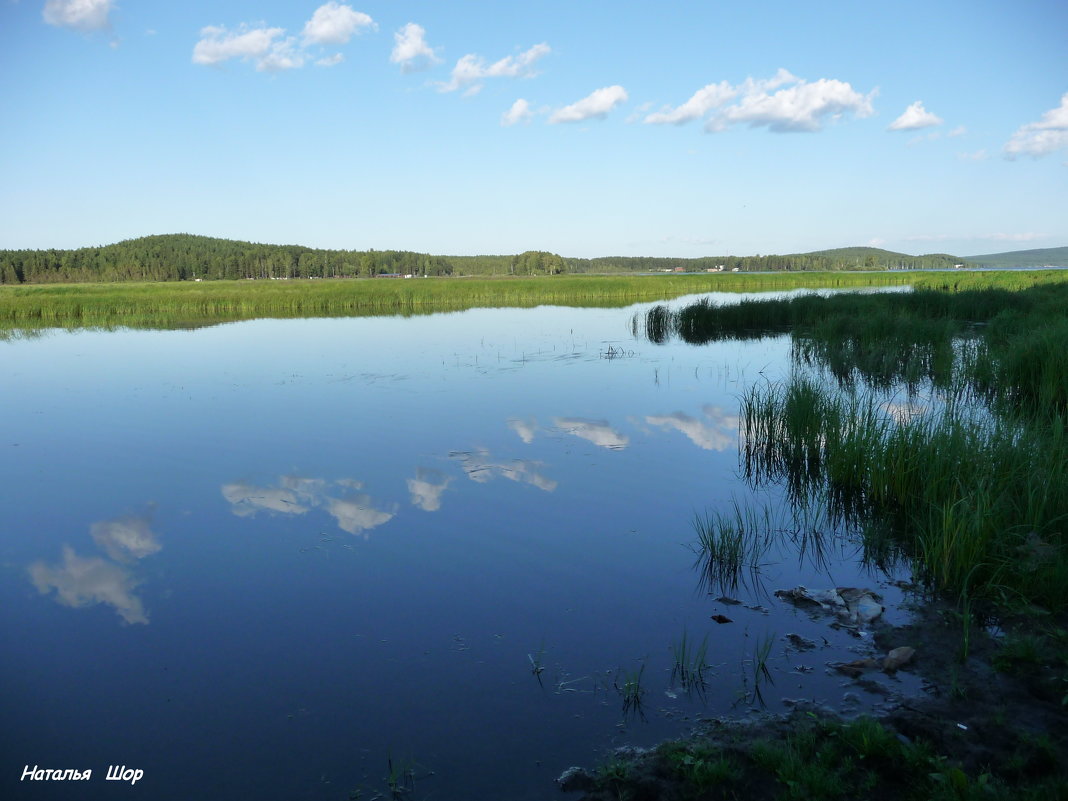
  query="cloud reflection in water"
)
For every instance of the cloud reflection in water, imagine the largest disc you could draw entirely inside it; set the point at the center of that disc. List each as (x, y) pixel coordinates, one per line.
(81, 581)
(596, 431)
(479, 467)
(354, 512)
(720, 434)
(426, 488)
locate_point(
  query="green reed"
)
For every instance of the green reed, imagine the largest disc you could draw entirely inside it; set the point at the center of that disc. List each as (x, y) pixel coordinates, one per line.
(731, 544)
(184, 304)
(690, 663)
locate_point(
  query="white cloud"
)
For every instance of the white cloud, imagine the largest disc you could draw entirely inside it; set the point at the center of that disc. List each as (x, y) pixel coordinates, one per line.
(596, 431)
(703, 100)
(246, 500)
(720, 434)
(410, 49)
(977, 155)
(296, 495)
(126, 538)
(525, 430)
(471, 69)
(83, 581)
(519, 112)
(1041, 138)
(960, 130)
(356, 514)
(876, 242)
(426, 488)
(480, 469)
(782, 102)
(263, 46)
(597, 104)
(800, 107)
(283, 55)
(335, 23)
(81, 15)
(915, 116)
(271, 50)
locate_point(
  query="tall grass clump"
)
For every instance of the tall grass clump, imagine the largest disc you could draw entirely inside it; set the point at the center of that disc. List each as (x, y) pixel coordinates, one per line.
(971, 485)
(731, 545)
(690, 663)
(979, 503)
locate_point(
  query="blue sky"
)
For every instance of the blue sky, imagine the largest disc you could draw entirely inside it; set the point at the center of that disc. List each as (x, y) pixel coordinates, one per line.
(583, 128)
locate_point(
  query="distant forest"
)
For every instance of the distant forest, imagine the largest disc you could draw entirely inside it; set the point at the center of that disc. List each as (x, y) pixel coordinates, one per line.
(183, 257)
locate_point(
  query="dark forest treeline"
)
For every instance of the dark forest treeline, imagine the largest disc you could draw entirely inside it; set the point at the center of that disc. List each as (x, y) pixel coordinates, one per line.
(183, 257)
(822, 260)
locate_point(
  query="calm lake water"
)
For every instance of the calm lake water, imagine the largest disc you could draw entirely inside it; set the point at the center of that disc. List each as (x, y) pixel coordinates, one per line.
(265, 559)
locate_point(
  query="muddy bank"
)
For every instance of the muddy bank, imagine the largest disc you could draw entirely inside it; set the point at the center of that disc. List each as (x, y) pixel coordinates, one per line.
(991, 722)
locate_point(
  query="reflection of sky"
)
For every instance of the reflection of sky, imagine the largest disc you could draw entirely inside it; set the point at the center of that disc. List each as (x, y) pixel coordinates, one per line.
(85, 581)
(479, 467)
(125, 539)
(596, 431)
(426, 488)
(720, 433)
(525, 430)
(255, 412)
(354, 512)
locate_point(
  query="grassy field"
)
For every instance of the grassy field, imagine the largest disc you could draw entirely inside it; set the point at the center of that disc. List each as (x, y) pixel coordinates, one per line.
(165, 305)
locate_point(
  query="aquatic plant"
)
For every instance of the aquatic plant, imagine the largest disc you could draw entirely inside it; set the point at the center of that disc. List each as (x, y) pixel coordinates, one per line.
(690, 663)
(730, 545)
(628, 684)
(537, 666)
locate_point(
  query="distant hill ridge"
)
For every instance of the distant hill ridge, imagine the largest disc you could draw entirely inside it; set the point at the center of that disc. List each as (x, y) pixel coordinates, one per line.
(185, 257)
(1040, 257)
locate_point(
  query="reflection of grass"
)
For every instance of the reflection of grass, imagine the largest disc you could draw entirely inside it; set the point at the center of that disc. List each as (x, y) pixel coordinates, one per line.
(728, 543)
(690, 663)
(400, 781)
(537, 666)
(977, 501)
(759, 672)
(629, 685)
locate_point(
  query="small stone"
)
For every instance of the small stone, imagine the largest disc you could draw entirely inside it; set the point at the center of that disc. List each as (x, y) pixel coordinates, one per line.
(576, 780)
(897, 658)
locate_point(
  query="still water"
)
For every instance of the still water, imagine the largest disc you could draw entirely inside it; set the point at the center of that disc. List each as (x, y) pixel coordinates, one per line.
(274, 559)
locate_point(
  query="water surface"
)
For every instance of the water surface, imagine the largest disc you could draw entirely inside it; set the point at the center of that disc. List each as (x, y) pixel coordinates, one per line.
(265, 559)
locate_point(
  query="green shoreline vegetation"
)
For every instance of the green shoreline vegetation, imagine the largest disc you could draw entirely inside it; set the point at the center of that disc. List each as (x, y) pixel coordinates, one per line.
(190, 303)
(932, 426)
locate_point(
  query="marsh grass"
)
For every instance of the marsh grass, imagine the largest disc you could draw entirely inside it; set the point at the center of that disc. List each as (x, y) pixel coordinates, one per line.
(189, 304)
(731, 546)
(690, 663)
(628, 683)
(537, 662)
(814, 757)
(973, 489)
